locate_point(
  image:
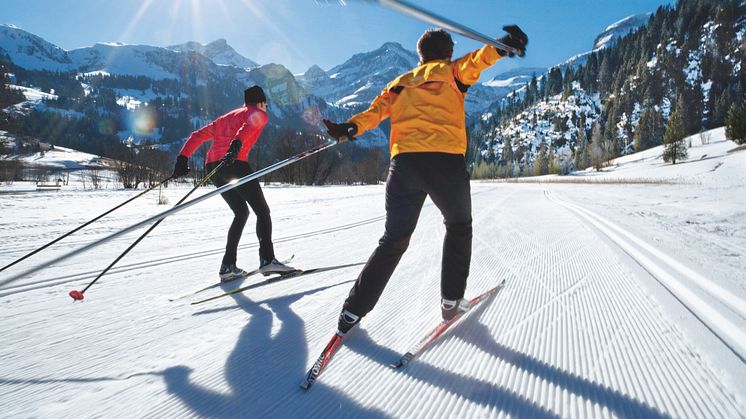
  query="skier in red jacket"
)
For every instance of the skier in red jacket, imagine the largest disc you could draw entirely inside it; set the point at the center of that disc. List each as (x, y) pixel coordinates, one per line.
(233, 135)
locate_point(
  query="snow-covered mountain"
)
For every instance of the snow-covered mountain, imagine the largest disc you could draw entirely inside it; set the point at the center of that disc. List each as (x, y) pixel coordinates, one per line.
(618, 30)
(516, 77)
(362, 77)
(483, 96)
(608, 37)
(32, 52)
(218, 51)
(358, 80)
(133, 60)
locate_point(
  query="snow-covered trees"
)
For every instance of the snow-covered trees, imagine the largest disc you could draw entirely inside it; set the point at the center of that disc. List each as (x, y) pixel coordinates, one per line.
(693, 54)
(7, 96)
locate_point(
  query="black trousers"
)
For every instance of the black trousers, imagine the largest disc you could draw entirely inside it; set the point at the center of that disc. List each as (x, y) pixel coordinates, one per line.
(412, 177)
(237, 198)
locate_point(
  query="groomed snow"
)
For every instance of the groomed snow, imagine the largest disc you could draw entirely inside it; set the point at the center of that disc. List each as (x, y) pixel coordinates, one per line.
(61, 158)
(582, 329)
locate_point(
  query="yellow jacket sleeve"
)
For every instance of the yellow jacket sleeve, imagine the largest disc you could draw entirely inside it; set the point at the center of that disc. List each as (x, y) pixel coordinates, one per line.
(379, 110)
(468, 68)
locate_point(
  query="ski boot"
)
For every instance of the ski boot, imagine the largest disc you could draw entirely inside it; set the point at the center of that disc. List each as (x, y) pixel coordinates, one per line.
(229, 272)
(347, 320)
(450, 308)
(274, 266)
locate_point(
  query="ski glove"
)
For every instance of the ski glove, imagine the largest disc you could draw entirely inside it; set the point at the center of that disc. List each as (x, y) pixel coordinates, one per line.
(181, 167)
(233, 151)
(341, 132)
(516, 38)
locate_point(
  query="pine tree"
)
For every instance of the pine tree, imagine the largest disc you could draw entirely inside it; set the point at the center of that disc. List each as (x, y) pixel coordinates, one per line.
(675, 148)
(541, 163)
(649, 129)
(507, 152)
(735, 129)
(692, 107)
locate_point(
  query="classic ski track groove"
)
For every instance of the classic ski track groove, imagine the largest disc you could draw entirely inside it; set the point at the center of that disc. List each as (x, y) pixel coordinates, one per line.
(573, 334)
(657, 263)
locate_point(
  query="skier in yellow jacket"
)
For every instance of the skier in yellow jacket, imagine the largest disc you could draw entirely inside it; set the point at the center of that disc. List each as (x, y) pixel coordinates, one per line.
(428, 146)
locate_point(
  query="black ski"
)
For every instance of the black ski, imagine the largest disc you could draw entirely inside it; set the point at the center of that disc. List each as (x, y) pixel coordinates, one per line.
(209, 287)
(438, 331)
(278, 278)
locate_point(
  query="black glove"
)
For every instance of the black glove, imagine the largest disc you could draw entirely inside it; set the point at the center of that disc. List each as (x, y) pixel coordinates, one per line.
(516, 38)
(341, 132)
(233, 151)
(181, 167)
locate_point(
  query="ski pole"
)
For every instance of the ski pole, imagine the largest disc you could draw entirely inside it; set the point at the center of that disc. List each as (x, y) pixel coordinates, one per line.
(177, 208)
(86, 224)
(78, 295)
(430, 17)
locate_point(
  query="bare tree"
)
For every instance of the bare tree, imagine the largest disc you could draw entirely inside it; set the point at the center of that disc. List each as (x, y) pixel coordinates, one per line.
(94, 175)
(598, 154)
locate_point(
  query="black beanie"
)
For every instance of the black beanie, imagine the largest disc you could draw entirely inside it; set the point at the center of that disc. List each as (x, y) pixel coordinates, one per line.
(254, 95)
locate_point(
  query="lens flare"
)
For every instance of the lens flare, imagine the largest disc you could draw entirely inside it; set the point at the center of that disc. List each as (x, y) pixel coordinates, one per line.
(106, 127)
(142, 121)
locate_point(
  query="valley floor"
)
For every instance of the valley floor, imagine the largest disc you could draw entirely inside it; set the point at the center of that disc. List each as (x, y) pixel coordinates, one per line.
(605, 312)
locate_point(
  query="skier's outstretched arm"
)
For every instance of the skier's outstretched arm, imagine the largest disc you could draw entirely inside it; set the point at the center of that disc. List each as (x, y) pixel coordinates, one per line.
(468, 68)
(379, 110)
(198, 137)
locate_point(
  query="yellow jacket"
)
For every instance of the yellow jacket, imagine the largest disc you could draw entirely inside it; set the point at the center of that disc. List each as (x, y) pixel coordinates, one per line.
(426, 106)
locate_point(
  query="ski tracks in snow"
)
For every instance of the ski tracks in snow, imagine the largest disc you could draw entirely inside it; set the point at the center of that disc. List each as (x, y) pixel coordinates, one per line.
(573, 334)
(667, 271)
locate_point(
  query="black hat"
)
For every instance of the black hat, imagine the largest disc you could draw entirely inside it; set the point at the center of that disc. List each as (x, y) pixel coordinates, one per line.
(435, 44)
(254, 95)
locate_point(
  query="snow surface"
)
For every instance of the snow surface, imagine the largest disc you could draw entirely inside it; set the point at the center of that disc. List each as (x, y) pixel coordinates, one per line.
(587, 325)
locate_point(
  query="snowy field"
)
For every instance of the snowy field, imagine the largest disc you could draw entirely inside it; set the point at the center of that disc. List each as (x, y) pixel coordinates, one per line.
(608, 311)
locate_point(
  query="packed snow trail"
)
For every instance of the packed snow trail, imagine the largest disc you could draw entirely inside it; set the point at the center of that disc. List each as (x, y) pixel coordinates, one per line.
(580, 330)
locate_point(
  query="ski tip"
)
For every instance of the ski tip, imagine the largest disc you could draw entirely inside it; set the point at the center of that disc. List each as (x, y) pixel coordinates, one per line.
(404, 360)
(305, 385)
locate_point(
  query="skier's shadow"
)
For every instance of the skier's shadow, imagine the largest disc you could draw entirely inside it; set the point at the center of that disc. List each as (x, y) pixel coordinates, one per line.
(264, 370)
(473, 389)
(490, 394)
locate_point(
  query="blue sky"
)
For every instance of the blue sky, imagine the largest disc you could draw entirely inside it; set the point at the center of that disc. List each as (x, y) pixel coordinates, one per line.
(299, 33)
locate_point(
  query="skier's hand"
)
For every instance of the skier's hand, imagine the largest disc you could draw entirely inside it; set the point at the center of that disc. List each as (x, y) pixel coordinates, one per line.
(341, 132)
(233, 151)
(515, 38)
(181, 167)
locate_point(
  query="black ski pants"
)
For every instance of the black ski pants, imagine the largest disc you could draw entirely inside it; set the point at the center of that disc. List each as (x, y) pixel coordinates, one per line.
(412, 177)
(237, 198)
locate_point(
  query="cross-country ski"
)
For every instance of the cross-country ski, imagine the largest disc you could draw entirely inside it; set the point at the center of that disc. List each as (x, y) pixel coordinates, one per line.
(222, 282)
(373, 209)
(277, 278)
(444, 325)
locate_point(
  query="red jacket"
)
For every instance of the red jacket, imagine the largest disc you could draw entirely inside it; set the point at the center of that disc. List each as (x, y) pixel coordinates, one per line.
(244, 123)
